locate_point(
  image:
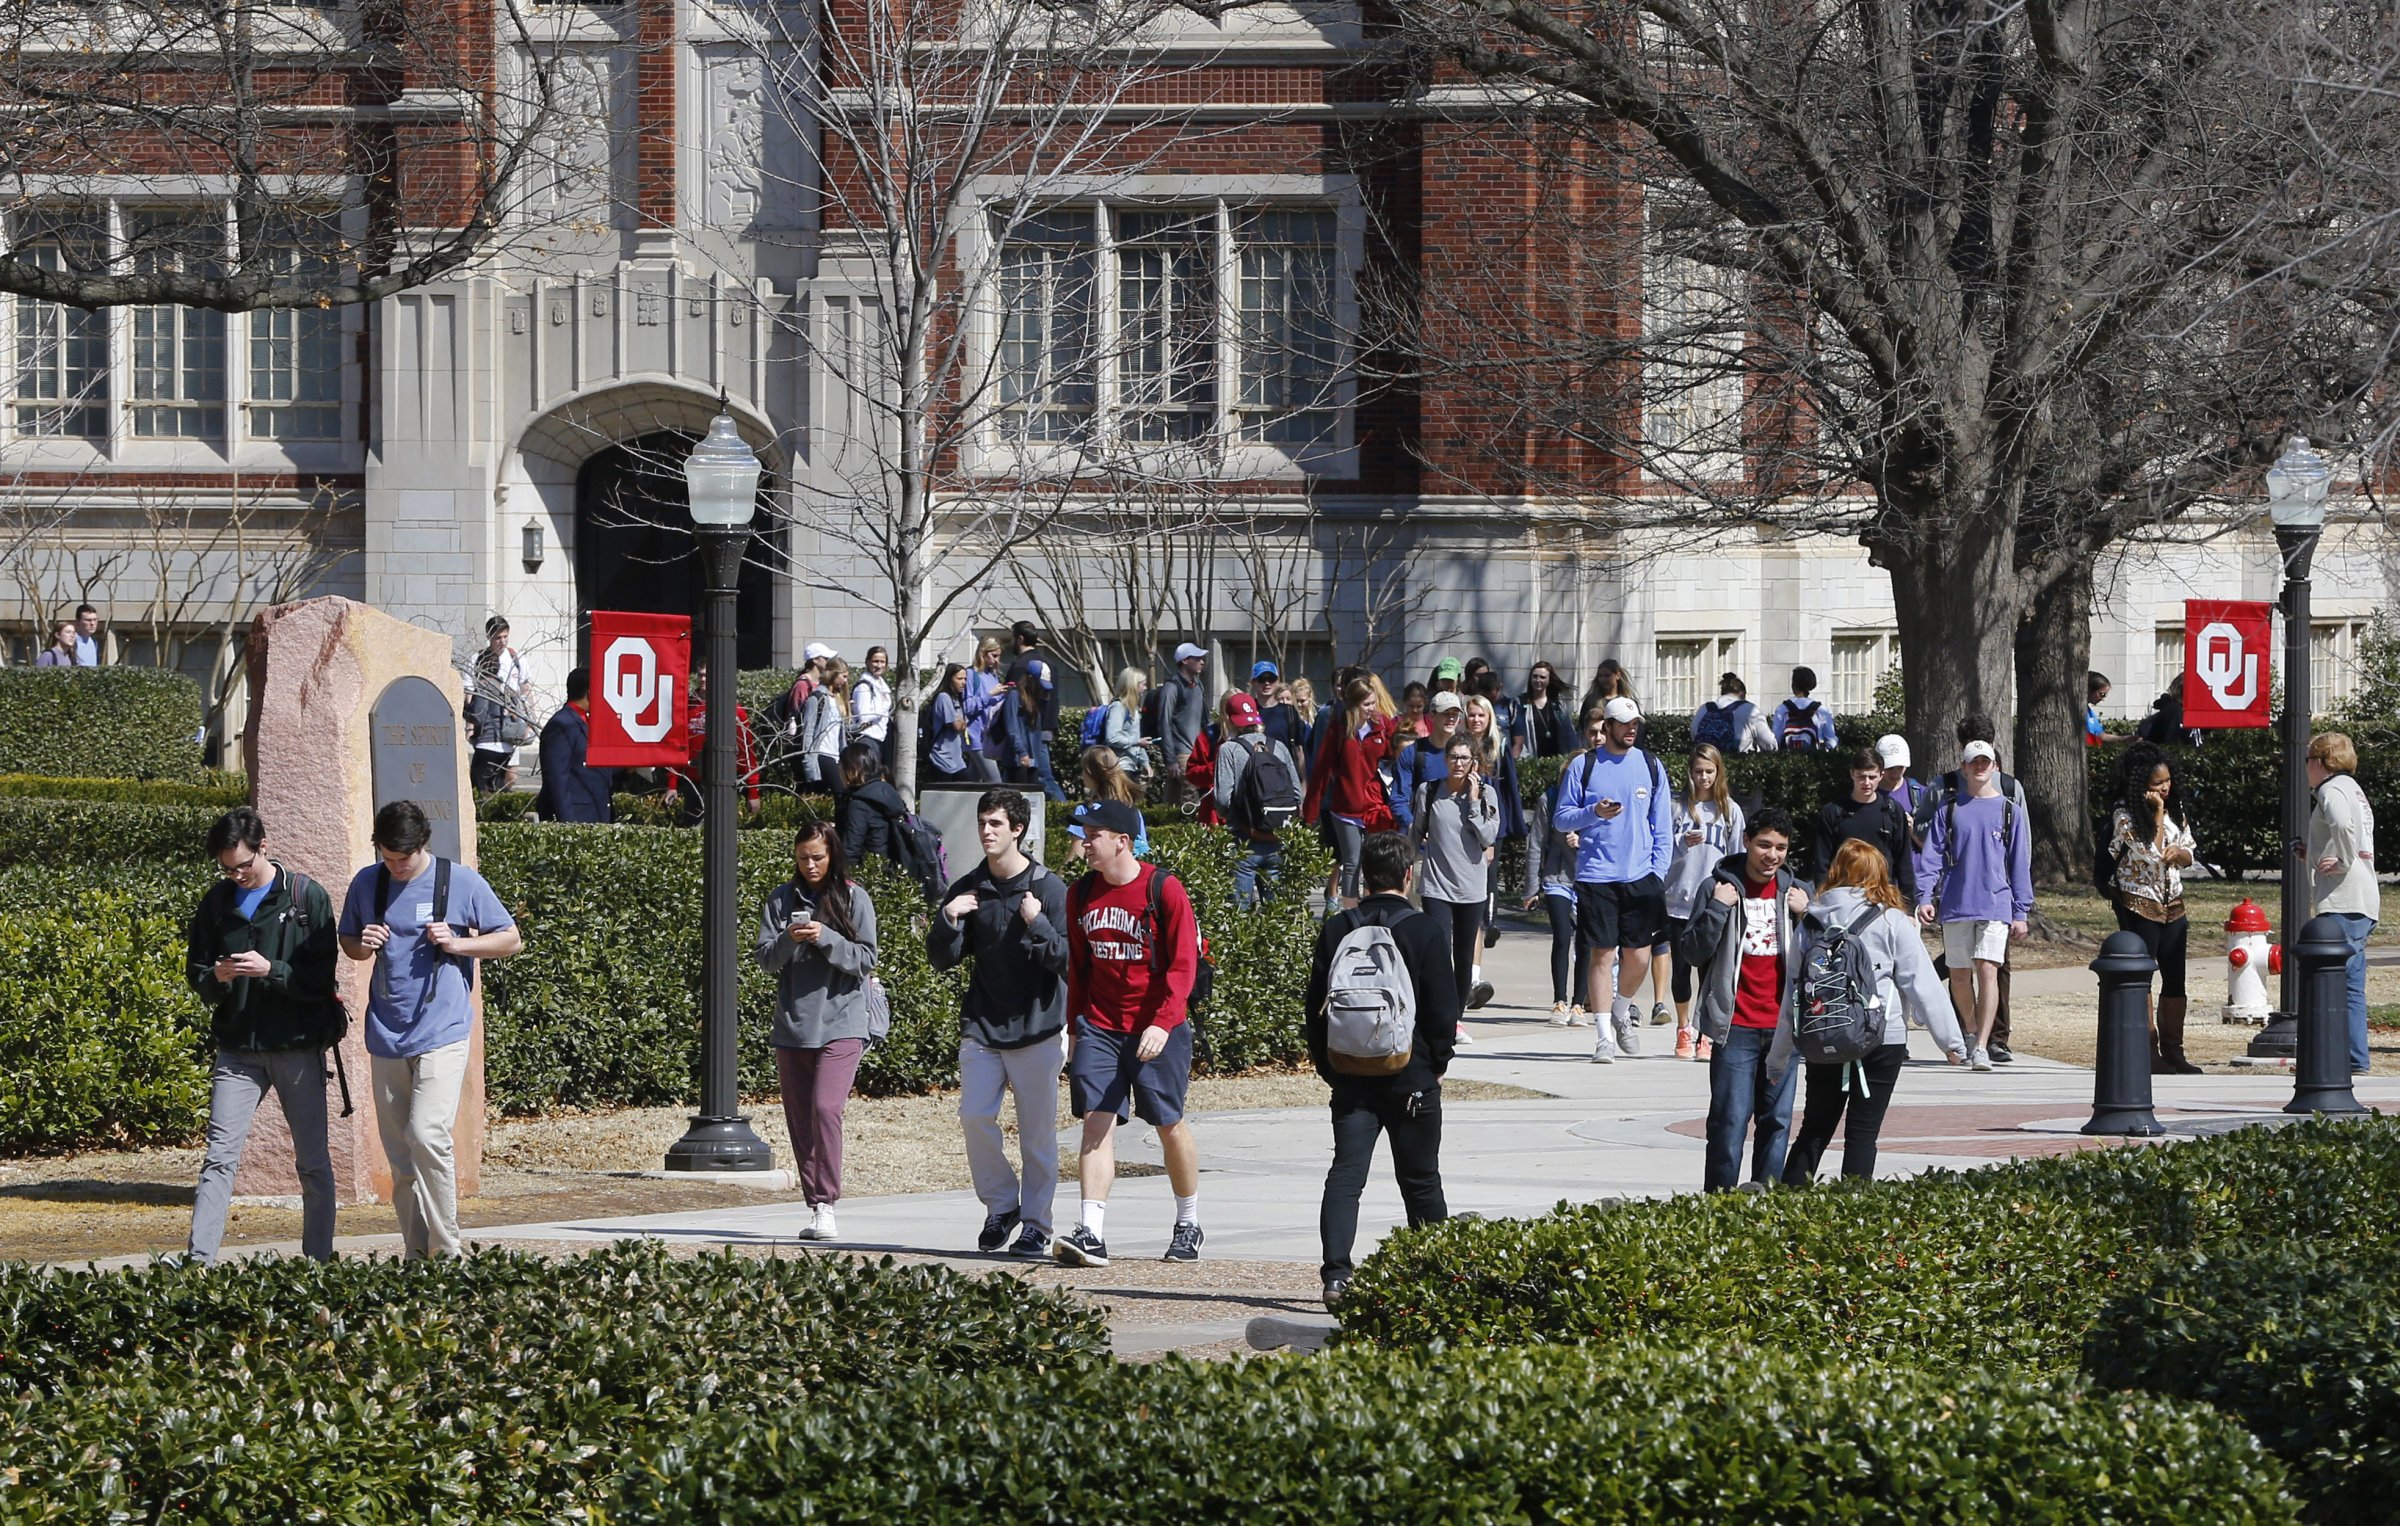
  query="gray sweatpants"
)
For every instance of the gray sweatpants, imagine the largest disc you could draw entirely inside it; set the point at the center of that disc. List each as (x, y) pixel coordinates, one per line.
(985, 1077)
(237, 1083)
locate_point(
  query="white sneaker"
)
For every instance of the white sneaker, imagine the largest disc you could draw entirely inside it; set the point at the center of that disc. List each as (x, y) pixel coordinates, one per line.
(1578, 1018)
(1979, 1058)
(1464, 1037)
(820, 1225)
(1560, 1017)
(1605, 1051)
(1629, 1032)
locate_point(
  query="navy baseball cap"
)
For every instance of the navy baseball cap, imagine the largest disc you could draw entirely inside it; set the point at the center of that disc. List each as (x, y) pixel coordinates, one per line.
(1104, 816)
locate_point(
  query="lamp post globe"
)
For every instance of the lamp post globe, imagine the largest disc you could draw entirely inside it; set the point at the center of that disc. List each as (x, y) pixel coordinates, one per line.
(721, 477)
(2296, 487)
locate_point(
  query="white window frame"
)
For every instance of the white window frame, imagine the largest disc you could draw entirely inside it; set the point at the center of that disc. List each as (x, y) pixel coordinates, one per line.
(1718, 652)
(2333, 673)
(185, 338)
(57, 330)
(1849, 694)
(2166, 652)
(1698, 425)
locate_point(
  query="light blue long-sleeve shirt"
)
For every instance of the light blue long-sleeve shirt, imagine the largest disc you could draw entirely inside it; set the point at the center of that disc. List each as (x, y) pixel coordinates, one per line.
(1640, 839)
(1986, 875)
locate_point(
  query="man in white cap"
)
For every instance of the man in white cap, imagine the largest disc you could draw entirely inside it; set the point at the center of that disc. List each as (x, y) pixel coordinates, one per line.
(1183, 707)
(1616, 801)
(1980, 849)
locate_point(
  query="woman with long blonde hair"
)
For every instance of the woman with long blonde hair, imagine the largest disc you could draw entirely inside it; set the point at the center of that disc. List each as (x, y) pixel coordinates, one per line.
(1858, 900)
(1708, 826)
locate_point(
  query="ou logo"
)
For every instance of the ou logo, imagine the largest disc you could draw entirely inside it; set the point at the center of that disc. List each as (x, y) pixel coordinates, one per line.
(633, 687)
(2221, 659)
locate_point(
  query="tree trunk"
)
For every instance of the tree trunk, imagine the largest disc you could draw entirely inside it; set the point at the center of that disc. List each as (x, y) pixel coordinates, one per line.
(2054, 652)
(1954, 596)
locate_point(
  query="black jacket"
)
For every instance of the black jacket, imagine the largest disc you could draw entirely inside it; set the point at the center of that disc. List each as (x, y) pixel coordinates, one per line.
(289, 1007)
(1882, 822)
(1550, 728)
(1426, 951)
(1018, 993)
(866, 818)
(572, 790)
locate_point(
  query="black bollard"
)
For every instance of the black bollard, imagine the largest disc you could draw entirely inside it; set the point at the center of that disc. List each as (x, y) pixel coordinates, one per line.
(2321, 1074)
(2121, 1067)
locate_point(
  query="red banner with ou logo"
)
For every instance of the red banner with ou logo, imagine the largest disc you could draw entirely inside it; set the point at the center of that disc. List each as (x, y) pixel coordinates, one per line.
(641, 689)
(2228, 651)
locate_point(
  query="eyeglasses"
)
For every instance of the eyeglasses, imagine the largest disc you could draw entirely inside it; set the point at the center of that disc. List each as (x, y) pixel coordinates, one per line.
(236, 871)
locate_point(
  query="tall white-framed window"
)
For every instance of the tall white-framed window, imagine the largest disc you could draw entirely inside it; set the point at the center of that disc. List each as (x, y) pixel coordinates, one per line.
(1166, 350)
(1694, 331)
(2333, 675)
(1683, 674)
(295, 356)
(61, 353)
(2166, 654)
(177, 353)
(1860, 659)
(1290, 354)
(1048, 391)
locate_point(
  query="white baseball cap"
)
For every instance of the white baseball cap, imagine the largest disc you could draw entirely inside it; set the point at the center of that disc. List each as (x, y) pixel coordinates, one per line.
(1893, 750)
(1445, 701)
(1187, 651)
(816, 651)
(1974, 750)
(1620, 710)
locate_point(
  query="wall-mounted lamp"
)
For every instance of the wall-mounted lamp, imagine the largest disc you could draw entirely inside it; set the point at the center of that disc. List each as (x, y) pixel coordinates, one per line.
(533, 545)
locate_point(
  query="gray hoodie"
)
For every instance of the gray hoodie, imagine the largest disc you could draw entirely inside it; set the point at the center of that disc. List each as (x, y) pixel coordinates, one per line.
(821, 987)
(1712, 944)
(1454, 833)
(1904, 974)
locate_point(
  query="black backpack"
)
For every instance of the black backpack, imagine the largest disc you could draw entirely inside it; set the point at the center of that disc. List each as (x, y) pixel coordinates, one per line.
(1837, 1011)
(1799, 729)
(1267, 796)
(1153, 717)
(917, 849)
(441, 905)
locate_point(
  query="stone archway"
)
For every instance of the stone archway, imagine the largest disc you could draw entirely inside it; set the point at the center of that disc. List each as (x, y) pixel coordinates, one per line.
(634, 548)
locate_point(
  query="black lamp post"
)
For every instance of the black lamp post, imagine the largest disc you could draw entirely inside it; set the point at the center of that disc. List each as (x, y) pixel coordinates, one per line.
(2296, 487)
(721, 476)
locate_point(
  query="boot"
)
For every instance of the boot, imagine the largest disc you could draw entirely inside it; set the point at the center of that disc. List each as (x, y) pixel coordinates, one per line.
(2170, 1038)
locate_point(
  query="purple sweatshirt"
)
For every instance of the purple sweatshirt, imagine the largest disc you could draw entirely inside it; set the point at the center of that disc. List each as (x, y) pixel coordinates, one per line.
(1980, 878)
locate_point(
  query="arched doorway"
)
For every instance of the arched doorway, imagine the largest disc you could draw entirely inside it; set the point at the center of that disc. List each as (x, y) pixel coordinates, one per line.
(634, 548)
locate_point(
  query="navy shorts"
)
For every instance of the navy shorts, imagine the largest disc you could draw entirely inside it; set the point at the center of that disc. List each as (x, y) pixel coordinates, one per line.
(1104, 1076)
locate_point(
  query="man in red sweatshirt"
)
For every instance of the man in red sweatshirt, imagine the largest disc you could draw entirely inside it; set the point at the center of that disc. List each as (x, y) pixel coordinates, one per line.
(1133, 950)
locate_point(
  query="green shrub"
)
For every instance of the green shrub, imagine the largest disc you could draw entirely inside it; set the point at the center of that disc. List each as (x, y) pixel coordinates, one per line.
(2299, 1342)
(103, 836)
(83, 723)
(1551, 1435)
(2005, 1265)
(219, 790)
(497, 1387)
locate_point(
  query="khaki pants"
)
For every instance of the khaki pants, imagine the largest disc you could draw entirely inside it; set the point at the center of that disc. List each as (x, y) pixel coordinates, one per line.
(416, 1106)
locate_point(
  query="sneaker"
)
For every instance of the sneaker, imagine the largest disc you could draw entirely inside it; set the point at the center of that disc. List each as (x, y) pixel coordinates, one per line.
(1702, 1049)
(1186, 1244)
(1032, 1244)
(820, 1225)
(995, 1231)
(2000, 1054)
(1979, 1058)
(1082, 1248)
(1335, 1291)
(1560, 1016)
(1683, 1043)
(1578, 1018)
(1479, 995)
(1605, 1051)
(1491, 934)
(1464, 1036)
(1661, 1014)
(1629, 1033)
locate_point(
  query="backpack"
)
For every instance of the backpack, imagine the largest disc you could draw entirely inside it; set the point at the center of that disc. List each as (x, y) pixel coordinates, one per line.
(2105, 858)
(1658, 777)
(1799, 728)
(917, 849)
(334, 1026)
(2008, 827)
(1204, 973)
(441, 903)
(1718, 728)
(1838, 1006)
(1370, 1005)
(784, 714)
(1154, 703)
(1095, 721)
(1267, 796)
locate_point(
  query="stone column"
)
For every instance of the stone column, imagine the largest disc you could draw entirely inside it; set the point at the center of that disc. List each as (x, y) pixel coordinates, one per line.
(317, 670)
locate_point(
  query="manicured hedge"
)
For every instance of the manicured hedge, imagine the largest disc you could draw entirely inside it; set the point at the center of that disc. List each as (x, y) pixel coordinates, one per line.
(217, 789)
(1546, 1435)
(494, 1388)
(140, 723)
(2009, 1264)
(2299, 1342)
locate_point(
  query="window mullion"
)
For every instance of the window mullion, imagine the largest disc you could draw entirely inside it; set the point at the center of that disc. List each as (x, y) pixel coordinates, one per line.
(117, 324)
(1106, 327)
(1229, 320)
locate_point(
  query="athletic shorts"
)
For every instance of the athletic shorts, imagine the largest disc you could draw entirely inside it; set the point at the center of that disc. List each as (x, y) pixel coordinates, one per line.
(1621, 913)
(1105, 1076)
(1965, 942)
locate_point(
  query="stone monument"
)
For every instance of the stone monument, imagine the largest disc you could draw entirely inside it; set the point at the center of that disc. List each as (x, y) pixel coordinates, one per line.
(351, 709)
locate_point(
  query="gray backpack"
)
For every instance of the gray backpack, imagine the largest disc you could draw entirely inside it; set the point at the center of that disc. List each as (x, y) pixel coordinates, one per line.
(1370, 1005)
(1837, 1014)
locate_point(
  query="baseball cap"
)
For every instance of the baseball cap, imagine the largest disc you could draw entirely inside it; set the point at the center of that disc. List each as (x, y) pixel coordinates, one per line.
(1620, 710)
(1241, 709)
(1445, 701)
(1264, 669)
(815, 651)
(1974, 750)
(1187, 651)
(1448, 667)
(1104, 816)
(1893, 750)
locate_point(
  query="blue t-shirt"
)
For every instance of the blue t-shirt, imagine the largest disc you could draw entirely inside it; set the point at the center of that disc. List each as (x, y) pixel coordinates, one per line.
(418, 1000)
(246, 901)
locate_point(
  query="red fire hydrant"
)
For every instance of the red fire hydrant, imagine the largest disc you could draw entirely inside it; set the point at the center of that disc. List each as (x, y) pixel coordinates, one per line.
(2249, 959)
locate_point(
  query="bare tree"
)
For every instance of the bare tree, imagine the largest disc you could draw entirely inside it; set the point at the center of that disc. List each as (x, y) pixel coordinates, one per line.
(1379, 597)
(1988, 285)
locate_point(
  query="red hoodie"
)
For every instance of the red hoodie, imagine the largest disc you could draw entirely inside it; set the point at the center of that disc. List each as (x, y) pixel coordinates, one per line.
(1346, 780)
(1113, 974)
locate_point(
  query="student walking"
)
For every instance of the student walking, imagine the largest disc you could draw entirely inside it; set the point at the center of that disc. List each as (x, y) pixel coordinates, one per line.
(944, 745)
(1982, 856)
(871, 707)
(1615, 799)
(870, 813)
(1008, 915)
(1858, 902)
(1730, 723)
(1133, 954)
(2148, 847)
(1421, 762)
(1457, 826)
(2341, 851)
(816, 935)
(1548, 730)
(572, 789)
(823, 726)
(1381, 1018)
(431, 920)
(1867, 814)
(1744, 939)
(1708, 829)
(987, 692)
(1121, 722)
(1801, 723)
(1258, 794)
(1975, 726)
(1183, 708)
(1346, 797)
(259, 953)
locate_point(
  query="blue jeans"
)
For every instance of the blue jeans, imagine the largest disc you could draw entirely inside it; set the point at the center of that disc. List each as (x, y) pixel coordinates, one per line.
(1041, 770)
(1254, 876)
(2355, 928)
(1738, 1092)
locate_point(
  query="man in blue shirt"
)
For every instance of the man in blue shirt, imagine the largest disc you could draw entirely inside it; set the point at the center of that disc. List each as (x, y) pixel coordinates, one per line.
(424, 922)
(1616, 801)
(90, 649)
